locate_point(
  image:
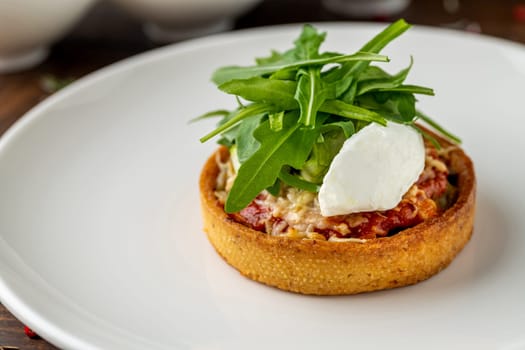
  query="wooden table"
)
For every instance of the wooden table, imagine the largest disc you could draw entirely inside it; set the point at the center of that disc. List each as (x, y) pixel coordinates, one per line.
(107, 35)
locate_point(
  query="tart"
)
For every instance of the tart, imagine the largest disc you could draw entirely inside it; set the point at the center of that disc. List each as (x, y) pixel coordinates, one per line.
(328, 182)
(321, 267)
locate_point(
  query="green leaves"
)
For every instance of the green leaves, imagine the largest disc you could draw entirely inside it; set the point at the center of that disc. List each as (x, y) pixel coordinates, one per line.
(438, 127)
(301, 105)
(225, 74)
(310, 92)
(310, 95)
(271, 91)
(288, 146)
(373, 46)
(244, 138)
(236, 117)
(350, 111)
(385, 82)
(308, 44)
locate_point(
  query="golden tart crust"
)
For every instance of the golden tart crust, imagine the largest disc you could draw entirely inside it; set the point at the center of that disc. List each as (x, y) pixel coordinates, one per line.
(321, 267)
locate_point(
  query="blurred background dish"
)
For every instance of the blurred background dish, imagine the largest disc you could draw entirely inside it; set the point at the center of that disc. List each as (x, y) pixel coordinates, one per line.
(173, 20)
(29, 27)
(366, 8)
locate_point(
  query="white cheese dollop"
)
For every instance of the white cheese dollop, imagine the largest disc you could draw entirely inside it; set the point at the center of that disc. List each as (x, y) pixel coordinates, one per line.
(373, 170)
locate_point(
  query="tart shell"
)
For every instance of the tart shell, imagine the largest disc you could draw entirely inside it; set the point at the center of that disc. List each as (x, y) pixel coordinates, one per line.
(336, 268)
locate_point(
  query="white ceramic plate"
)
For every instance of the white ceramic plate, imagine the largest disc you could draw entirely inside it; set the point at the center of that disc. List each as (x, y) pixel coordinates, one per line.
(101, 244)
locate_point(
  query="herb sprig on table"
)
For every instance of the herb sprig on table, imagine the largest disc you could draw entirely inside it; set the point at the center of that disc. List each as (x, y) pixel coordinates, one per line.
(302, 105)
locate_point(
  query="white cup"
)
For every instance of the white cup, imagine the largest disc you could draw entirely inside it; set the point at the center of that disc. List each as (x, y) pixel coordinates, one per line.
(29, 27)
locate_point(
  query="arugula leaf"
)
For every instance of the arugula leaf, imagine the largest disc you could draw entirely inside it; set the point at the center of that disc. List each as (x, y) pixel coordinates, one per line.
(386, 36)
(375, 79)
(310, 95)
(413, 89)
(438, 127)
(350, 111)
(427, 136)
(284, 74)
(373, 46)
(384, 83)
(243, 113)
(340, 87)
(396, 106)
(215, 113)
(246, 143)
(406, 106)
(279, 93)
(347, 127)
(289, 146)
(349, 95)
(372, 72)
(228, 137)
(228, 73)
(308, 44)
(275, 188)
(276, 57)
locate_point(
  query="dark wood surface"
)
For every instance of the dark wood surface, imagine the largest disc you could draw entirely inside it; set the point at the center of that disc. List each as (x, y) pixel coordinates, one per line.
(106, 35)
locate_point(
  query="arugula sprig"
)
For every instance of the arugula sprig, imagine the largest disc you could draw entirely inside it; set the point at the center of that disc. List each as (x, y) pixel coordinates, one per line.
(302, 104)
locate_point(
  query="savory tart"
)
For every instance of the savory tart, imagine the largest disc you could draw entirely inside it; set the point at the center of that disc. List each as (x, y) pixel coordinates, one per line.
(324, 183)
